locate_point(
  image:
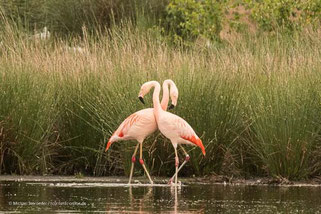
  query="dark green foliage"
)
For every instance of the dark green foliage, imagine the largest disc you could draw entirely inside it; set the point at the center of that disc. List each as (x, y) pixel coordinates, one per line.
(290, 15)
(69, 16)
(190, 19)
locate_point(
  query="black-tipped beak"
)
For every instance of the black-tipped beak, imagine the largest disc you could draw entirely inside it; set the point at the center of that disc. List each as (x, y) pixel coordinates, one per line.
(171, 107)
(141, 99)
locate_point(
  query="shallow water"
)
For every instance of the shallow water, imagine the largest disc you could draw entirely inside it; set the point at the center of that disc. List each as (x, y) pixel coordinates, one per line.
(68, 197)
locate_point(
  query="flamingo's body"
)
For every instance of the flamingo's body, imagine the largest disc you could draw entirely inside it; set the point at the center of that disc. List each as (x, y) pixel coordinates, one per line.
(170, 125)
(177, 130)
(137, 126)
(141, 124)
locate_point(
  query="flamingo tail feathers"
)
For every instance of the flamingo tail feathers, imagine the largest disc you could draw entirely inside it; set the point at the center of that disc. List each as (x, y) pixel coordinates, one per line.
(197, 142)
(108, 145)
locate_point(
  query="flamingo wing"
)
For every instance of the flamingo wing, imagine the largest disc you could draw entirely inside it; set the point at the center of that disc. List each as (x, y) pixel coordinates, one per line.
(127, 124)
(136, 126)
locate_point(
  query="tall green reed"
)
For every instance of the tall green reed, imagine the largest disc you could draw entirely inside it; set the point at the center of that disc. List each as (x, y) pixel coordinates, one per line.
(69, 16)
(286, 125)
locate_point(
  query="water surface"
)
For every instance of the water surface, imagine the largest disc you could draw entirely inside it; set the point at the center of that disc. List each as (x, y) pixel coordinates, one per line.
(68, 197)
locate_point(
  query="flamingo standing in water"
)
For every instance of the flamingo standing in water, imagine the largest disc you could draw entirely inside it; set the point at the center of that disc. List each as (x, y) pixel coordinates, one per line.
(141, 124)
(170, 125)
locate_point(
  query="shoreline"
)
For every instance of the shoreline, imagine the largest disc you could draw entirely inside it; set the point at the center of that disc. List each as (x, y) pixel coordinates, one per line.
(214, 180)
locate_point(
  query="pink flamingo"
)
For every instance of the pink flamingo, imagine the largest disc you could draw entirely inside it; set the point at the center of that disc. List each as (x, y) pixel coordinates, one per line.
(141, 124)
(170, 125)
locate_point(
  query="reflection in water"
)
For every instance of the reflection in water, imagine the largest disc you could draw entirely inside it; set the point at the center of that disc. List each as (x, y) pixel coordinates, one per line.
(22, 197)
(175, 197)
(140, 203)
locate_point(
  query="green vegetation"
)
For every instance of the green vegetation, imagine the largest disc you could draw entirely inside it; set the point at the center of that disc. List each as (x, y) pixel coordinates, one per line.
(189, 19)
(69, 16)
(287, 14)
(253, 98)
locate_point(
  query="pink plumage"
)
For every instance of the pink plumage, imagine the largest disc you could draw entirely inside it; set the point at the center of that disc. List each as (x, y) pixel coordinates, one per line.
(178, 130)
(142, 123)
(137, 126)
(172, 126)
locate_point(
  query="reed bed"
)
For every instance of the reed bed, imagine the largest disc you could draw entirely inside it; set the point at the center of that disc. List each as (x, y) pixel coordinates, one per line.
(254, 100)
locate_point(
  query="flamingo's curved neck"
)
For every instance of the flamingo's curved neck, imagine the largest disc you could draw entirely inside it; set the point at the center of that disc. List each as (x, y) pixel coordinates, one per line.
(165, 98)
(156, 103)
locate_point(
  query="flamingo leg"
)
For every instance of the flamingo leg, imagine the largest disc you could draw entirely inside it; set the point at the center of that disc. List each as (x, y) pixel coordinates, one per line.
(133, 164)
(176, 165)
(183, 150)
(187, 158)
(141, 161)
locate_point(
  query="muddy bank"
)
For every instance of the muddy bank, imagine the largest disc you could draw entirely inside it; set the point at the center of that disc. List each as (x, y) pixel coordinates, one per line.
(223, 180)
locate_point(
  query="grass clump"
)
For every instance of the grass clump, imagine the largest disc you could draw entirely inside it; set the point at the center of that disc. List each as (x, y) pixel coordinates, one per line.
(286, 125)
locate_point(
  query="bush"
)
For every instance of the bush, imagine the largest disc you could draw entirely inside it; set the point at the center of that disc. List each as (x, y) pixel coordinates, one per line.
(189, 19)
(311, 12)
(290, 15)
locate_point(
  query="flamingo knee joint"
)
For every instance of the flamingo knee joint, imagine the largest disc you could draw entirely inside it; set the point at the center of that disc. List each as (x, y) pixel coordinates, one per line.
(141, 161)
(133, 159)
(176, 162)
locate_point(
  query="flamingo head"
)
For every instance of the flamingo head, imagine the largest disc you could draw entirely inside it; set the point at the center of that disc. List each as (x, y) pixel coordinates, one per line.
(174, 96)
(145, 88)
(173, 92)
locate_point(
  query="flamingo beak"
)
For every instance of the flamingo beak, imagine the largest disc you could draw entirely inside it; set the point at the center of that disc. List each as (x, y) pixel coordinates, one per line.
(141, 99)
(171, 106)
(108, 145)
